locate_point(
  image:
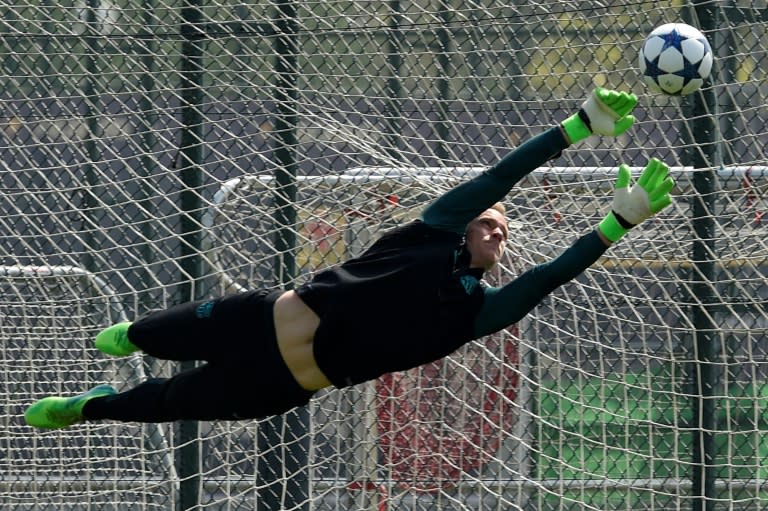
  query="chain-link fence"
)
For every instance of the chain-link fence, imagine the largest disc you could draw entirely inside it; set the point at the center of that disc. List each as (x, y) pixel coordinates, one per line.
(174, 150)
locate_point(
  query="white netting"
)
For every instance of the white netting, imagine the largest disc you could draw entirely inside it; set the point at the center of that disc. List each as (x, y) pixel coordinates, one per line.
(49, 317)
(157, 151)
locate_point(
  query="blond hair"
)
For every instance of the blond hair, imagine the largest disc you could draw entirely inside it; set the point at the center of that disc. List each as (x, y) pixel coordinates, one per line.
(500, 208)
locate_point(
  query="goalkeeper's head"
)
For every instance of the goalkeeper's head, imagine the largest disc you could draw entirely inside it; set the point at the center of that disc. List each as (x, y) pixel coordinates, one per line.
(486, 237)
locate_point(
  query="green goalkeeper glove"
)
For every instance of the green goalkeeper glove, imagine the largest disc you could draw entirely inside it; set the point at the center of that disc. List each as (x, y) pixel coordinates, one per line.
(605, 112)
(633, 204)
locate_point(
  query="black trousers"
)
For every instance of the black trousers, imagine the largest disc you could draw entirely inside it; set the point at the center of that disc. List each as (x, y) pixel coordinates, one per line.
(243, 377)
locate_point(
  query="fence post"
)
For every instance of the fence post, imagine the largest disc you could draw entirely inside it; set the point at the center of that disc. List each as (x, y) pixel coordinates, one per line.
(704, 157)
(92, 118)
(444, 94)
(283, 441)
(189, 161)
(393, 106)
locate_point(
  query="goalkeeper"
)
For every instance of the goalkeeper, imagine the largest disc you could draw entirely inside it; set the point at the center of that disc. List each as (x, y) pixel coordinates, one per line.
(414, 296)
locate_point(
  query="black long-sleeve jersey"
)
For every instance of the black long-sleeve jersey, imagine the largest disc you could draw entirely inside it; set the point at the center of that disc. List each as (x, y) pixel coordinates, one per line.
(411, 298)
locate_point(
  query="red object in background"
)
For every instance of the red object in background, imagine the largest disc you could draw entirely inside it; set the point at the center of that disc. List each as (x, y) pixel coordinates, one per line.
(435, 426)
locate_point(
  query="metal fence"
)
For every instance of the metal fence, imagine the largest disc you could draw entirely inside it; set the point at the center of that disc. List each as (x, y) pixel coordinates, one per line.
(641, 386)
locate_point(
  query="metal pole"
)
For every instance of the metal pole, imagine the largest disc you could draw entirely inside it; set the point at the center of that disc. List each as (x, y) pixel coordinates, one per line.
(286, 120)
(444, 83)
(704, 157)
(148, 106)
(283, 441)
(190, 159)
(394, 107)
(90, 201)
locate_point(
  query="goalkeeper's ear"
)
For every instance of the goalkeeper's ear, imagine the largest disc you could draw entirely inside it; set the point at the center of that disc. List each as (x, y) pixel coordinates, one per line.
(604, 112)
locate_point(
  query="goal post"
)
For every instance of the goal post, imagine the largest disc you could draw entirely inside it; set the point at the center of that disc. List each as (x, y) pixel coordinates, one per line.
(584, 402)
(426, 431)
(48, 317)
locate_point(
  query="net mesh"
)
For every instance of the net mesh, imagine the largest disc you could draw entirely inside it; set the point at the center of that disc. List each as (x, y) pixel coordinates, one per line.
(152, 147)
(47, 327)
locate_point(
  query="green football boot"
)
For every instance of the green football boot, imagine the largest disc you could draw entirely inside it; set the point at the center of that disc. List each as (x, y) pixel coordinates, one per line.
(60, 412)
(114, 340)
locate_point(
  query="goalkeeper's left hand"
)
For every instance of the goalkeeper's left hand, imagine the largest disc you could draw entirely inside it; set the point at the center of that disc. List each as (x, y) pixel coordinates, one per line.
(605, 112)
(633, 204)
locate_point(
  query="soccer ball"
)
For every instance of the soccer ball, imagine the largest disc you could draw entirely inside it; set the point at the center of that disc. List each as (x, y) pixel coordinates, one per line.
(675, 59)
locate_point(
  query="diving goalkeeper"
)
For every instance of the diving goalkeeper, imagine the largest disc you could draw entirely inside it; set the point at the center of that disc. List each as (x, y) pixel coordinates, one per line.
(414, 296)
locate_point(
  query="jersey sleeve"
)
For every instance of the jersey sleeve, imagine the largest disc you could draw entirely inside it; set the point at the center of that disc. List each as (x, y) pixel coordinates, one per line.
(504, 306)
(457, 207)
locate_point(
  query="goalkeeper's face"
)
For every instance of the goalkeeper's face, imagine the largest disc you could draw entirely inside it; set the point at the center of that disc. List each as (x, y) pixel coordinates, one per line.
(486, 236)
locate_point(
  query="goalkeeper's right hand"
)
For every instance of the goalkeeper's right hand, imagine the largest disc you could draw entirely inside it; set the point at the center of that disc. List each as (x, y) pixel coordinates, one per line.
(633, 204)
(605, 112)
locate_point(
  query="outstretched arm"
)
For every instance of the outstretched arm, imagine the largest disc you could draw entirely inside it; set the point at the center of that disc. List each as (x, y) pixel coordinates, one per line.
(504, 306)
(457, 207)
(631, 206)
(605, 112)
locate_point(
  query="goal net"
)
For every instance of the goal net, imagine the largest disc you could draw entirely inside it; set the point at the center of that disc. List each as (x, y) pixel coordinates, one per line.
(48, 317)
(161, 151)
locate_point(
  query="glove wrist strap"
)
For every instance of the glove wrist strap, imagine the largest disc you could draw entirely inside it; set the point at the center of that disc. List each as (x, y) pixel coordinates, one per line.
(585, 119)
(623, 221)
(612, 227)
(576, 128)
